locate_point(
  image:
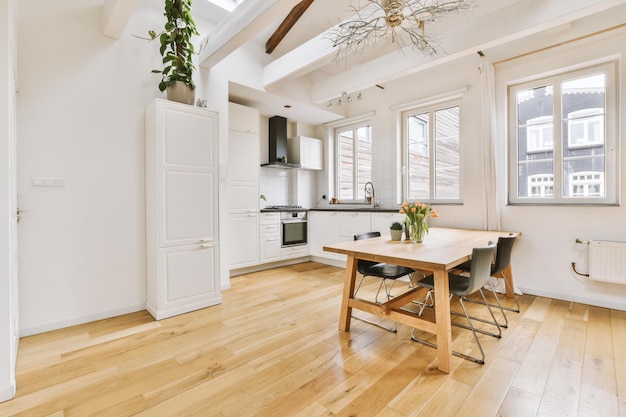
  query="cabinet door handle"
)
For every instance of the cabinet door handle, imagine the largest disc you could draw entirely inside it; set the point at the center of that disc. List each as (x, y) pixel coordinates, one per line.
(204, 247)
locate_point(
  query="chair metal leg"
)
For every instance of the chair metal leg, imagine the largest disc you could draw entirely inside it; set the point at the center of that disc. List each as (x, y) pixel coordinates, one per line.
(500, 306)
(506, 283)
(497, 305)
(493, 323)
(391, 329)
(424, 304)
(463, 326)
(359, 286)
(471, 327)
(454, 352)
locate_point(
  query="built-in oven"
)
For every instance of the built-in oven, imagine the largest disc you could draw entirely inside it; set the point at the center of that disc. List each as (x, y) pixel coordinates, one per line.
(293, 228)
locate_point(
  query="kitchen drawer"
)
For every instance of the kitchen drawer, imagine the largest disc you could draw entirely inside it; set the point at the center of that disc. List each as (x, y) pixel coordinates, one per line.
(268, 230)
(294, 251)
(270, 218)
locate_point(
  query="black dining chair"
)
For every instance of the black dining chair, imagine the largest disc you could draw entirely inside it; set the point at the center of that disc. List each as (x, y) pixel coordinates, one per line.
(502, 262)
(461, 286)
(383, 271)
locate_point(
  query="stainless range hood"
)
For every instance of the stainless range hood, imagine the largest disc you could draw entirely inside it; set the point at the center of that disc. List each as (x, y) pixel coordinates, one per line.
(278, 144)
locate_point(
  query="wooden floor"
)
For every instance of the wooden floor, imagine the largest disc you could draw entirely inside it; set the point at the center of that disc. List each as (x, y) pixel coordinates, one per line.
(273, 348)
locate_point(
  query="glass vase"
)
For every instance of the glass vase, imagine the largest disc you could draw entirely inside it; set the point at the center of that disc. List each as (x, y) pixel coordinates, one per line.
(417, 231)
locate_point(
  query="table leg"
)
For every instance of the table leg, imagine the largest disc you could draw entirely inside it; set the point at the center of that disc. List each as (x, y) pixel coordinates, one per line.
(442, 317)
(348, 293)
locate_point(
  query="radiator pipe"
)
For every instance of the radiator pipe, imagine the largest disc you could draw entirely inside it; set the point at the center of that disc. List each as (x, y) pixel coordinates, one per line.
(584, 242)
(574, 269)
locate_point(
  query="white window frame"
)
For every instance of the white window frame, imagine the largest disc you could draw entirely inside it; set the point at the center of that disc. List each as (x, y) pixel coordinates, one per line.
(431, 108)
(585, 117)
(609, 68)
(539, 127)
(360, 123)
(541, 181)
(588, 179)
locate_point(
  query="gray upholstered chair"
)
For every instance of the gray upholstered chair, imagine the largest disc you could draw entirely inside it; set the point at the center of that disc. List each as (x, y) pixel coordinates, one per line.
(502, 262)
(461, 286)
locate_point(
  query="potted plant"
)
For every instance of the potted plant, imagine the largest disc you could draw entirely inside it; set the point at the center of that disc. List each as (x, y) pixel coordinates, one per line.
(396, 230)
(177, 51)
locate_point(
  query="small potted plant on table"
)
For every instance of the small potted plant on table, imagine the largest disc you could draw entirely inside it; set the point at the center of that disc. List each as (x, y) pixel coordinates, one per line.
(396, 230)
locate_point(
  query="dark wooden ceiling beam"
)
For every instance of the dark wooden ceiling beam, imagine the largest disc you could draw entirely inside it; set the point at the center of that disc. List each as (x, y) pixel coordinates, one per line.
(286, 25)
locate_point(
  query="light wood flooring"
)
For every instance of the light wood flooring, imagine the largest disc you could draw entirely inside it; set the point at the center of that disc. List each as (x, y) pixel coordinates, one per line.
(273, 348)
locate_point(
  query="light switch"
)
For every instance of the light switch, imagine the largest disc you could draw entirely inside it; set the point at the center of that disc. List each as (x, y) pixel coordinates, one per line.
(59, 182)
(37, 182)
(48, 182)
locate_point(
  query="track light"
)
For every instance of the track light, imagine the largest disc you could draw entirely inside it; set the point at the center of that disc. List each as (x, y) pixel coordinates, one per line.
(344, 98)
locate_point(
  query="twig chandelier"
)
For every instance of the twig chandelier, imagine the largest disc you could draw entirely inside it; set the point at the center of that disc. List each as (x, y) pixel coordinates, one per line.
(400, 21)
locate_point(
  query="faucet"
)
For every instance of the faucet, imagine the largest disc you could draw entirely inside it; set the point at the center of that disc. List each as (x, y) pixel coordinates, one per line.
(369, 191)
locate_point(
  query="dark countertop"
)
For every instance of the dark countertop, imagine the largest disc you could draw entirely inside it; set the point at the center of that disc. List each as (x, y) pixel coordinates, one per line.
(284, 210)
(355, 207)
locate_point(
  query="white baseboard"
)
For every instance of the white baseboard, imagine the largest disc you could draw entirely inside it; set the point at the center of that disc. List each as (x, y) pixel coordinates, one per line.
(581, 300)
(29, 331)
(7, 393)
(263, 267)
(326, 261)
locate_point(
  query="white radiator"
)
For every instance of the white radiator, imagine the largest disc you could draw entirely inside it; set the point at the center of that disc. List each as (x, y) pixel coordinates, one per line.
(607, 261)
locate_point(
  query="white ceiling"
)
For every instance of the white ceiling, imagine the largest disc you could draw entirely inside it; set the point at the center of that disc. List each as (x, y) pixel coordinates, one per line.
(499, 28)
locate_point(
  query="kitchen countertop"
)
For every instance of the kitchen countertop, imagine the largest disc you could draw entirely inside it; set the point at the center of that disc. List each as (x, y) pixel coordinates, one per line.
(356, 207)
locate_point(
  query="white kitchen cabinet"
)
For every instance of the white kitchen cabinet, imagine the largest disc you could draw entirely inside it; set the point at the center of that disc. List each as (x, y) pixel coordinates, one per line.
(324, 230)
(328, 227)
(243, 172)
(243, 186)
(270, 238)
(243, 119)
(243, 240)
(306, 151)
(352, 223)
(294, 252)
(380, 222)
(182, 245)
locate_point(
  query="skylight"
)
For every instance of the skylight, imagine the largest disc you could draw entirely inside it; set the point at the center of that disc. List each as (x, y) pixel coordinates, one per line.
(227, 5)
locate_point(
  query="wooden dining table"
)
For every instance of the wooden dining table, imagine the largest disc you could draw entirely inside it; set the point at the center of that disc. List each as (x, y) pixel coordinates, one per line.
(441, 250)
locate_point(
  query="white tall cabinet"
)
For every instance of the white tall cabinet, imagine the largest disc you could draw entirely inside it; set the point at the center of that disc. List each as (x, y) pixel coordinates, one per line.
(182, 242)
(243, 185)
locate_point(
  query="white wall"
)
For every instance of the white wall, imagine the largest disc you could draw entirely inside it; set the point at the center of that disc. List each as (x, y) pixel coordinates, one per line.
(8, 293)
(81, 118)
(547, 247)
(542, 259)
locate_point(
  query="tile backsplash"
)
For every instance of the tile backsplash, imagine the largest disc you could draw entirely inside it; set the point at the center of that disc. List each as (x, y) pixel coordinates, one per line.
(276, 185)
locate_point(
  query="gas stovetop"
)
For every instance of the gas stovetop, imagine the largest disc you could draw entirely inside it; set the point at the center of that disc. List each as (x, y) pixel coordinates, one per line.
(284, 208)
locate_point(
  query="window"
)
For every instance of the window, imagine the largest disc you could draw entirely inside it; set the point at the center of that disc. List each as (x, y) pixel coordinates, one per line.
(541, 185)
(586, 184)
(540, 135)
(586, 127)
(354, 161)
(431, 153)
(563, 131)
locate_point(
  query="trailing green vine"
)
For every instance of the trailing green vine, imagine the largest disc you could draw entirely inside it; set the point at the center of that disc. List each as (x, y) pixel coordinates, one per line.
(176, 48)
